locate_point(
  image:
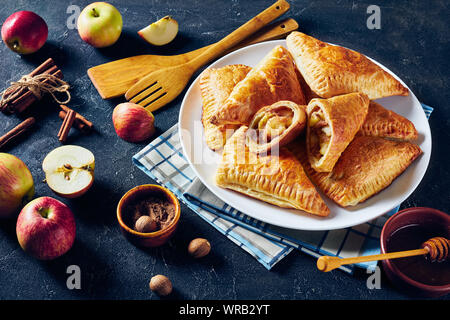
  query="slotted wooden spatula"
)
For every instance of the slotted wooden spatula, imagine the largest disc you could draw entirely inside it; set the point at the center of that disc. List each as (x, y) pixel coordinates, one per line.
(114, 78)
(162, 86)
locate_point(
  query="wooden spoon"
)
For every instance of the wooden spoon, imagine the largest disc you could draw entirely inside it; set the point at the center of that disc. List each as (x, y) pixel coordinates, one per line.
(162, 86)
(114, 78)
(436, 248)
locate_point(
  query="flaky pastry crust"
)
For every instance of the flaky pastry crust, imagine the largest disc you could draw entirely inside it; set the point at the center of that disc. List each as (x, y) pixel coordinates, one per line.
(333, 70)
(215, 87)
(367, 166)
(276, 179)
(272, 80)
(381, 122)
(342, 116)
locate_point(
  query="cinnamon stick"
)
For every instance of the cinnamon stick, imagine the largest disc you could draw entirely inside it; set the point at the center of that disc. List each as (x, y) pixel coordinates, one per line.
(16, 131)
(77, 123)
(27, 98)
(80, 122)
(23, 96)
(66, 125)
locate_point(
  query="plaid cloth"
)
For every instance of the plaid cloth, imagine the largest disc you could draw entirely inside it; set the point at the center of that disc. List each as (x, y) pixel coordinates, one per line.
(163, 161)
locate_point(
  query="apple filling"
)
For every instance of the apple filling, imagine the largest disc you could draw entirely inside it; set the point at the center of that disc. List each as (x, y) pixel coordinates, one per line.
(319, 133)
(275, 125)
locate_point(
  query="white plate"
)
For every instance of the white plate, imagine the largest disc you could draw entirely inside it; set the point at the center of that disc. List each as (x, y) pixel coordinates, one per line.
(204, 161)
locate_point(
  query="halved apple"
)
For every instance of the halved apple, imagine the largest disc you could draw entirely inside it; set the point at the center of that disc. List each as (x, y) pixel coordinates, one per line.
(160, 32)
(69, 170)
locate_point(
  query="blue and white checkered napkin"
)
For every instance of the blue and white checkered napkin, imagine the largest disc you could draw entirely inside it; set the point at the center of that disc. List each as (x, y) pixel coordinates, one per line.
(164, 162)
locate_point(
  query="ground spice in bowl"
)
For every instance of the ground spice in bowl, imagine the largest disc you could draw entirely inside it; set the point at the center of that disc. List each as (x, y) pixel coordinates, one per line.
(158, 207)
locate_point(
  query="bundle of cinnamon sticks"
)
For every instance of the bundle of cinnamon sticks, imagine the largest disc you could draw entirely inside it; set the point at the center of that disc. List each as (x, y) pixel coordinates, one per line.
(17, 98)
(46, 78)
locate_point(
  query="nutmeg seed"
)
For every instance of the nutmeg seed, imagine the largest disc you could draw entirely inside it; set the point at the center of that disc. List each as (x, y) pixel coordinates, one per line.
(199, 247)
(145, 224)
(161, 285)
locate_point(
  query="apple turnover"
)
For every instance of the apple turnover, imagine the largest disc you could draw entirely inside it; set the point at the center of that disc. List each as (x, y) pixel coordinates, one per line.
(367, 166)
(275, 126)
(272, 80)
(276, 179)
(215, 87)
(384, 123)
(333, 70)
(332, 125)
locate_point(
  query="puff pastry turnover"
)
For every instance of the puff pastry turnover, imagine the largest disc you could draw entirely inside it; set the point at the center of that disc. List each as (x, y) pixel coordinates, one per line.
(334, 70)
(332, 125)
(276, 179)
(215, 87)
(272, 80)
(275, 126)
(381, 122)
(367, 166)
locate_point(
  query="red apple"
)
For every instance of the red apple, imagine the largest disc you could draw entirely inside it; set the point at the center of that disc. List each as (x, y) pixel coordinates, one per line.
(132, 122)
(100, 24)
(24, 32)
(16, 185)
(46, 228)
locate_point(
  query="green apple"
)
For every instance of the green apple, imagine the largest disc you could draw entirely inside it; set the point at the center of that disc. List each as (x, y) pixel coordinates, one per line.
(100, 24)
(16, 185)
(160, 32)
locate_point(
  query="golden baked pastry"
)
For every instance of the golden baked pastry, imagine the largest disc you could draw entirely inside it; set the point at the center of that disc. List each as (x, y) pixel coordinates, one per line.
(276, 179)
(272, 80)
(384, 123)
(275, 126)
(367, 166)
(332, 125)
(334, 70)
(307, 92)
(215, 87)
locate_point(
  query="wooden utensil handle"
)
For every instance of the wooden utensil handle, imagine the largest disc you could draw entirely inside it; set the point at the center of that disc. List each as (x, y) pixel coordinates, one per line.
(327, 263)
(277, 31)
(250, 27)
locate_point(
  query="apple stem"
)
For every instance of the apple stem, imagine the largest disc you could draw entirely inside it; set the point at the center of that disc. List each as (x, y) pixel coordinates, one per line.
(16, 45)
(95, 13)
(44, 212)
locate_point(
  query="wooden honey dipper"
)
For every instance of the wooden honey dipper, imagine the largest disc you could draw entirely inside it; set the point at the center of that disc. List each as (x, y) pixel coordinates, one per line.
(437, 249)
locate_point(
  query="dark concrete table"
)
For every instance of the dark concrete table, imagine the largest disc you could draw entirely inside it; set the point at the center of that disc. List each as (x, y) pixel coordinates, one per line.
(412, 42)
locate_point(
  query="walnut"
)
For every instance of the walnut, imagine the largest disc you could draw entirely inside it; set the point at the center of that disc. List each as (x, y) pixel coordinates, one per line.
(199, 247)
(161, 285)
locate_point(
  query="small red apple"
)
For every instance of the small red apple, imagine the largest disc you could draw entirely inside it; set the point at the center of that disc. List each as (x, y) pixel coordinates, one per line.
(46, 228)
(24, 32)
(132, 122)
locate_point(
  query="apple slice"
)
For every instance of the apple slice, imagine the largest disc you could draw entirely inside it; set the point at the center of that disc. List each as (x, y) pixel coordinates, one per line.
(69, 170)
(160, 32)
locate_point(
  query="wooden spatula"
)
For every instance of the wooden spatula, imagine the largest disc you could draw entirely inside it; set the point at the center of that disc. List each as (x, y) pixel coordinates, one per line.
(114, 78)
(162, 86)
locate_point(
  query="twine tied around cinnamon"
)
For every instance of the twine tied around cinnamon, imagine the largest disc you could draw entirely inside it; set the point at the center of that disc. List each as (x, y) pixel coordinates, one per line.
(38, 85)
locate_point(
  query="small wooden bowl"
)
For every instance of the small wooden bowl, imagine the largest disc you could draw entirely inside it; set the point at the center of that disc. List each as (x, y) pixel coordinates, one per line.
(151, 239)
(412, 216)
